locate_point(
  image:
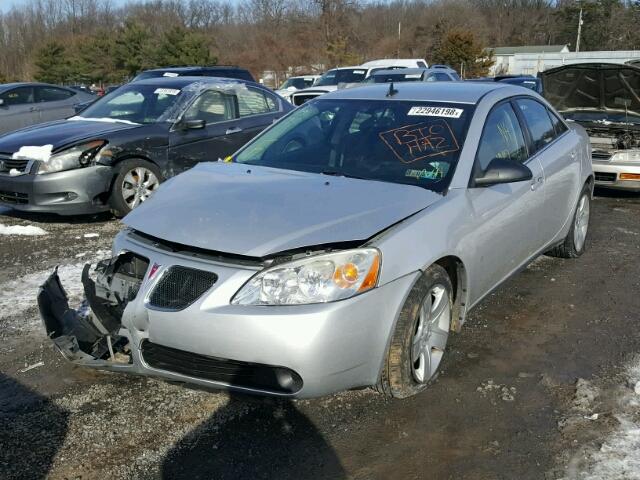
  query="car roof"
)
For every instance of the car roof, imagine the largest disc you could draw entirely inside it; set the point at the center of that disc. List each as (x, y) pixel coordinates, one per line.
(194, 68)
(183, 81)
(410, 71)
(450, 92)
(6, 86)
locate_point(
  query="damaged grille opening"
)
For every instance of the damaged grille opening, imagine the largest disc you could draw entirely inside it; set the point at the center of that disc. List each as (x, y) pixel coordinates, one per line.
(91, 331)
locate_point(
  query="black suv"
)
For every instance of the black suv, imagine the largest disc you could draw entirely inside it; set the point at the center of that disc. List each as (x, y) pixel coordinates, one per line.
(228, 71)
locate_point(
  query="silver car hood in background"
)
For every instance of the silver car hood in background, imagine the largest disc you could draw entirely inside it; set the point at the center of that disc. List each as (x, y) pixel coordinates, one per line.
(257, 211)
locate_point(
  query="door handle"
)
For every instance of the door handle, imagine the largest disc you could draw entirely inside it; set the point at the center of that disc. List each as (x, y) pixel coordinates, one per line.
(233, 130)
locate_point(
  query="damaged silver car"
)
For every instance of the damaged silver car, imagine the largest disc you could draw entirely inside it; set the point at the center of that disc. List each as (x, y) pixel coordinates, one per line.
(605, 99)
(339, 248)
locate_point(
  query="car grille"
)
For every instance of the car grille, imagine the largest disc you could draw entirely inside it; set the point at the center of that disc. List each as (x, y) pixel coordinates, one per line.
(301, 99)
(7, 164)
(231, 372)
(600, 155)
(180, 286)
(14, 198)
(605, 176)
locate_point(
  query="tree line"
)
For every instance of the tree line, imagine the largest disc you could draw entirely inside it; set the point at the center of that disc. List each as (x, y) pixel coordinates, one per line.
(93, 41)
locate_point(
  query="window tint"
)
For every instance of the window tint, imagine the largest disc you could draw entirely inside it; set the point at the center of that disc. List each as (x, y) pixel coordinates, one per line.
(455, 76)
(18, 96)
(212, 107)
(442, 77)
(538, 121)
(254, 102)
(51, 94)
(558, 125)
(502, 137)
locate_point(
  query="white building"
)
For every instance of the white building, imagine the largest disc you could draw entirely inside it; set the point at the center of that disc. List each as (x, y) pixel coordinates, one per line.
(529, 60)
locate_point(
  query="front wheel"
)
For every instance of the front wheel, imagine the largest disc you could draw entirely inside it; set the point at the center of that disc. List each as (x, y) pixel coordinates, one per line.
(420, 337)
(575, 242)
(137, 180)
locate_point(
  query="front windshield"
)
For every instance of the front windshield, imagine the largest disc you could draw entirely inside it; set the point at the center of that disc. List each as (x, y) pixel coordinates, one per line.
(298, 83)
(347, 75)
(134, 103)
(397, 77)
(408, 142)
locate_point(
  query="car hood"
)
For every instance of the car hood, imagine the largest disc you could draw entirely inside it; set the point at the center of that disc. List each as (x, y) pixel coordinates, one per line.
(602, 87)
(59, 133)
(258, 211)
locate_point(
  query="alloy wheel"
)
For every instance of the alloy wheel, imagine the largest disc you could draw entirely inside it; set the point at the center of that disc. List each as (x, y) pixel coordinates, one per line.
(138, 185)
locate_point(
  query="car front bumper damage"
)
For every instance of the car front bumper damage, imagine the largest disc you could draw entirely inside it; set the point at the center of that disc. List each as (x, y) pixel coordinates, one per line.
(294, 351)
(72, 192)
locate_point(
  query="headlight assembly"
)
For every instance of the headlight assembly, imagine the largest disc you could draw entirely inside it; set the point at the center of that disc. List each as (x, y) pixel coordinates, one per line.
(75, 157)
(626, 156)
(315, 279)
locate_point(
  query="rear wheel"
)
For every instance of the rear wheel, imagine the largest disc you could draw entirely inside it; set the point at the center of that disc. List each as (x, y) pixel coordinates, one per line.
(135, 183)
(420, 336)
(575, 242)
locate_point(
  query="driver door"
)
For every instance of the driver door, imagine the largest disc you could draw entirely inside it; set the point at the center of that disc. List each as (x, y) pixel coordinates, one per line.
(219, 136)
(506, 218)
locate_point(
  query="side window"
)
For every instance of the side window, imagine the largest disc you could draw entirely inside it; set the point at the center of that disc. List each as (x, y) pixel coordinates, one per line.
(18, 96)
(254, 102)
(421, 65)
(502, 137)
(538, 121)
(442, 77)
(52, 94)
(212, 107)
(558, 124)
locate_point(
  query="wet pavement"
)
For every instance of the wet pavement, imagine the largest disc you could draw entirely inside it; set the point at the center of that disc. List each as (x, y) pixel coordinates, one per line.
(498, 410)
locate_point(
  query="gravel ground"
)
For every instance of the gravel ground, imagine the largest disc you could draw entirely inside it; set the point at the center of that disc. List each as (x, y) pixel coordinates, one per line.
(541, 383)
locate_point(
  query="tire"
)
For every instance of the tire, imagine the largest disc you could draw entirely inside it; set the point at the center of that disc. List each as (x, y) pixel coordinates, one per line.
(576, 240)
(406, 356)
(127, 191)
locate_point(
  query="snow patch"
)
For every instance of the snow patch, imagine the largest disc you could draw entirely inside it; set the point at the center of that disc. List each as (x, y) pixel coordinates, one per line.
(91, 235)
(618, 456)
(20, 295)
(42, 153)
(29, 230)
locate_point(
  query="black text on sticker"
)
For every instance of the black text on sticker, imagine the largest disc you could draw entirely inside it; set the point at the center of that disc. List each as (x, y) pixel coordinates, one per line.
(436, 112)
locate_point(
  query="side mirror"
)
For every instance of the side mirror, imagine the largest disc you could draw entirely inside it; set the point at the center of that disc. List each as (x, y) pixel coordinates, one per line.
(501, 170)
(194, 124)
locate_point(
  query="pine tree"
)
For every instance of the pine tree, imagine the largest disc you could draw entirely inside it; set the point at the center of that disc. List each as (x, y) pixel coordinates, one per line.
(52, 63)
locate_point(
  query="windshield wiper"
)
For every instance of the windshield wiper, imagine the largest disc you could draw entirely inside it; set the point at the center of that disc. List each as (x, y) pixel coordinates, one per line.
(335, 173)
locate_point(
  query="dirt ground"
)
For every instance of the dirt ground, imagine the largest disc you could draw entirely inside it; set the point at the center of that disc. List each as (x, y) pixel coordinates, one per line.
(532, 388)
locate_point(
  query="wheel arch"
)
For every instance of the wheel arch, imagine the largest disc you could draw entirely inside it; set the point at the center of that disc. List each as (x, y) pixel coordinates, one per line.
(457, 272)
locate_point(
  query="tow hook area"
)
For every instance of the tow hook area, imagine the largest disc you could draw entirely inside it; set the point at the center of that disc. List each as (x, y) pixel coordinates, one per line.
(91, 334)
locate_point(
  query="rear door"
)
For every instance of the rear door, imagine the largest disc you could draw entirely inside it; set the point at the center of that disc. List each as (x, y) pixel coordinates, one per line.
(257, 109)
(219, 138)
(556, 148)
(18, 109)
(54, 103)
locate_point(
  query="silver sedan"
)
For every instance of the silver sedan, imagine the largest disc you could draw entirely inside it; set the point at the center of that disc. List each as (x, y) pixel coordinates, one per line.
(338, 249)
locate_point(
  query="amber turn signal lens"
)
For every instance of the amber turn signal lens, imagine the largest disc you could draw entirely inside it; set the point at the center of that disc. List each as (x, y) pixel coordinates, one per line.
(371, 279)
(630, 176)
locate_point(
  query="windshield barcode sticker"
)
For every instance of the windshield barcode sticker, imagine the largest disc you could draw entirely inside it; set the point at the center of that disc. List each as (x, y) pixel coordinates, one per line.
(169, 74)
(436, 112)
(413, 75)
(166, 91)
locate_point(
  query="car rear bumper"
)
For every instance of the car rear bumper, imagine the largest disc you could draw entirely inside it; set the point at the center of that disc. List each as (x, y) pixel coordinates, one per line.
(611, 175)
(71, 192)
(294, 351)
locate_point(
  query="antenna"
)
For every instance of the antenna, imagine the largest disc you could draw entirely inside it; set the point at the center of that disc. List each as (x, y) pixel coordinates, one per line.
(392, 91)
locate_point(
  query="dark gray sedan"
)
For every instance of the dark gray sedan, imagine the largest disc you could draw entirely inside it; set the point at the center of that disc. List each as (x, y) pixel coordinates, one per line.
(24, 104)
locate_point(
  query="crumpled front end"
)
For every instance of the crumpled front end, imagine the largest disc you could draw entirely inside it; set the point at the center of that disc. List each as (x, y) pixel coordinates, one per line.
(92, 335)
(165, 310)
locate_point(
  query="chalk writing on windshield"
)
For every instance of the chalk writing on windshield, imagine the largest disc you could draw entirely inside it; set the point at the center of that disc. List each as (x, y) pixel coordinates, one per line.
(421, 140)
